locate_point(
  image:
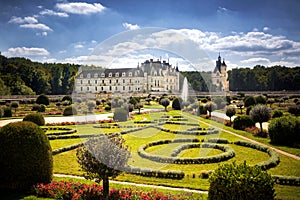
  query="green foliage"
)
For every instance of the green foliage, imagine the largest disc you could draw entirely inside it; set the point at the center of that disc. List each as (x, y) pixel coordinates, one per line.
(70, 110)
(260, 78)
(107, 108)
(36, 118)
(204, 100)
(240, 105)
(1, 112)
(165, 102)
(121, 114)
(260, 113)
(43, 99)
(25, 156)
(7, 112)
(260, 99)
(176, 104)
(14, 105)
(248, 110)
(294, 110)
(103, 157)
(285, 130)
(277, 113)
(67, 98)
(230, 111)
(91, 105)
(202, 110)
(249, 101)
(232, 181)
(242, 122)
(211, 106)
(220, 102)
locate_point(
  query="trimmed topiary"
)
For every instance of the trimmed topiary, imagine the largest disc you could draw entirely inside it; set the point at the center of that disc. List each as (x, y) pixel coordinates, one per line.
(176, 104)
(36, 118)
(233, 181)
(285, 130)
(277, 113)
(242, 122)
(121, 114)
(70, 110)
(294, 110)
(249, 101)
(25, 156)
(43, 99)
(7, 112)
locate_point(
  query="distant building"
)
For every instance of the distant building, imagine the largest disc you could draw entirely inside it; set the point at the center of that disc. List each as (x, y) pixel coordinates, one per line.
(219, 76)
(150, 76)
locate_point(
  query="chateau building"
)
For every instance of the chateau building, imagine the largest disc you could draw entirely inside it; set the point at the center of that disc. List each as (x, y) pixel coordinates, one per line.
(150, 76)
(219, 76)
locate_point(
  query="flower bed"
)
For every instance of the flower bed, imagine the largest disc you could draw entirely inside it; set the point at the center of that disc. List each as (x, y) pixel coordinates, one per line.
(64, 131)
(78, 191)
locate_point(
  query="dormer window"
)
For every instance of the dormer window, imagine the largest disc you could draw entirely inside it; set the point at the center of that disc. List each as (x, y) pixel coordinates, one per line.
(95, 75)
(110, 75)
(130, 74)
(88, 75)
(123, 74)
(117, 74)
(102, 74)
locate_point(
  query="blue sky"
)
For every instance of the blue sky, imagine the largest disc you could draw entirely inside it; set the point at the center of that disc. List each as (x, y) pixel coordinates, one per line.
(246, 33)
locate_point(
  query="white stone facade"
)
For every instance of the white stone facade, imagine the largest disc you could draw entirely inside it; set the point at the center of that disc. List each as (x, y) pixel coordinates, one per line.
(151, 76)
(220, 77)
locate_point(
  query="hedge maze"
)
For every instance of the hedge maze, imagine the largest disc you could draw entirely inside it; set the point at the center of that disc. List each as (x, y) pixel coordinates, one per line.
(191, 136)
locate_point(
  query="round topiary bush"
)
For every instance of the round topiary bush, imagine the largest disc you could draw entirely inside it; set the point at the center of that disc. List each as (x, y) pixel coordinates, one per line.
(43, 99)
(25, 156)
(7, 112)
(70, 110)
(36, 118)
(249, 101)
(277, 113)
(285, 130)
(232, 181)
(242, 122)
(120, 114)
(176, 104)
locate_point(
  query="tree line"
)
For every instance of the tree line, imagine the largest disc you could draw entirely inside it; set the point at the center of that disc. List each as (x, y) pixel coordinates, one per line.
(21, 76)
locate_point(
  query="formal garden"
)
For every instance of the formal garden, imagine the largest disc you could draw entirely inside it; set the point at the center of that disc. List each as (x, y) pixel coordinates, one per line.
(161, 143)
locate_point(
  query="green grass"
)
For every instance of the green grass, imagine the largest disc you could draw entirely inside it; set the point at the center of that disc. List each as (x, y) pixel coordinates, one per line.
(66, 162)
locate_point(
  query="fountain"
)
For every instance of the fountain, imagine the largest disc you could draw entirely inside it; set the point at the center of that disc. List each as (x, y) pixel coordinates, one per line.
(185, 90)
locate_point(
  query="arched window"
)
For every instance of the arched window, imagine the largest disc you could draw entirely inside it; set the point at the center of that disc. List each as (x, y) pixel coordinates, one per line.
(102, 74)
(117, 74)
(110, 75)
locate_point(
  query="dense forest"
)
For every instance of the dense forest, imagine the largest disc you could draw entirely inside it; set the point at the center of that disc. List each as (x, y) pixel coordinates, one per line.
(21, 76)
(262, 78)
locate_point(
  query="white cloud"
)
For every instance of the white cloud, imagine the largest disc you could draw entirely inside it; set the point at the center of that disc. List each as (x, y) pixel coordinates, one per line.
(81, 8)
(255, 60)
(53, 13)
(265, 29)
(78, 46)
(42, 33)
(36, 26)
(25, 51)
(20, 20)
(129, 26)
(222, 9)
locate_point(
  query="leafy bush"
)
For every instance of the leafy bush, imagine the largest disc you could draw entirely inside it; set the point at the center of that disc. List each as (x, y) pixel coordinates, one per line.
(176, 104)
(70, 110)
(277, 113)
(121, 114)
(242, 122)
(67, 98)
(220, 102)
(36, 118)
(164, 102)
(249, 101)
(43, 99)
(14, 105)
(232, 181)
(294, 110)
(210, 107)
(285, 130)
(7, 112)
(202, 110)
(107, 108)
(260, 99)
(103, 157)
(260, 113)
(39, 108)
(25, 156)
(230, 111)
(249, 108)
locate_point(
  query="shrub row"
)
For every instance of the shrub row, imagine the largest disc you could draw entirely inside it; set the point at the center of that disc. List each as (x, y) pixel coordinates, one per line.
(196, 129)
(208, 132)
(217, 140)
(171, 174)
(265, 165)
(181, 123)
(287, 180)
(65, 131)
(67, 148)
(84, 122)
(118, 126)
(228, 153)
